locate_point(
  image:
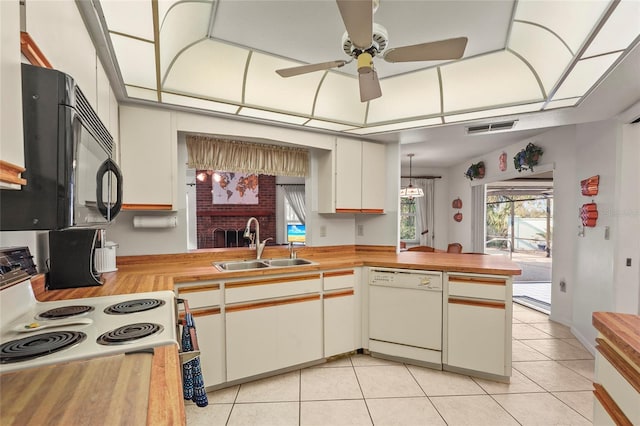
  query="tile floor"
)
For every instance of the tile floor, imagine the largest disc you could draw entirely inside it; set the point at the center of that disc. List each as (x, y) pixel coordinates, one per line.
(551, 384)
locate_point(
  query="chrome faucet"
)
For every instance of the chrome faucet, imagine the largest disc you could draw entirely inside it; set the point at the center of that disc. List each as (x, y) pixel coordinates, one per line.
(292, 252)
(258, 245)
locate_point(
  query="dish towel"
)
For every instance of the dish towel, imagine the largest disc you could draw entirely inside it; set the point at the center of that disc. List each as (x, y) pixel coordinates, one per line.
(192, 381)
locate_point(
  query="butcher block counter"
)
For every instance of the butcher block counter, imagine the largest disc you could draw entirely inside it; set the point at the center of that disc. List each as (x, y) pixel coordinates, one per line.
(160, 272)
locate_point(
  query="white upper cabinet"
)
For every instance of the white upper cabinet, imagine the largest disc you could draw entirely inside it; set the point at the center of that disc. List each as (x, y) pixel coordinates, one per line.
(352, 178)
(373, 177)
(11, 140)
(147, 158)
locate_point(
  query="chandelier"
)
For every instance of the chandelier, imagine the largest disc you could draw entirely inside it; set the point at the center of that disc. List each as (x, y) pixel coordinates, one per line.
(410, 191)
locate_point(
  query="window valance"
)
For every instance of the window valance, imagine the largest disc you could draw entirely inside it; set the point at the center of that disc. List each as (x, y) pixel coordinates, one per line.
(208, 153)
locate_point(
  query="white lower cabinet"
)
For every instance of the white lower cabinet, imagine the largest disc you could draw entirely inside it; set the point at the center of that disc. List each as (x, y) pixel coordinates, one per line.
(341, 313)
(272, 335)
(272, 323)
(476, 337)
(478, 324)
(205, 305)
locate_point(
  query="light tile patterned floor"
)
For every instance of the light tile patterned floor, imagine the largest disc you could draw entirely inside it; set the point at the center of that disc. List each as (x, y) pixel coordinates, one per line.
(551, 384)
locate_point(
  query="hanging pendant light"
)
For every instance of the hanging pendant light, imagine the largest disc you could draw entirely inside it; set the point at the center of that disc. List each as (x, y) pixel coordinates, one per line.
(410, 191)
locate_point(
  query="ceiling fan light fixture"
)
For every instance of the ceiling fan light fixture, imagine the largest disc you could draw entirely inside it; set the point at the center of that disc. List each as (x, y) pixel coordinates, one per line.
(365, 63)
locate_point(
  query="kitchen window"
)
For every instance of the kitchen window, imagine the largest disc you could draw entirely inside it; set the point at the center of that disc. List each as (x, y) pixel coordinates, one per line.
(408, 221)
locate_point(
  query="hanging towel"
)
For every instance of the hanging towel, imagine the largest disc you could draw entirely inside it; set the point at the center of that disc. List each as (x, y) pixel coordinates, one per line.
(192, 381)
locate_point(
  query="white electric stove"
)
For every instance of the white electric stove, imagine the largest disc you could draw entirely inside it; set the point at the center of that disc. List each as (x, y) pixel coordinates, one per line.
(34, 334)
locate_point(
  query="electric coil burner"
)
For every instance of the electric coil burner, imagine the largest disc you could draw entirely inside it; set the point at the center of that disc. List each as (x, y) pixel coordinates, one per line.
(129, 333)
(39, 345)
(132, 306)
(65, 312)
(102, 326)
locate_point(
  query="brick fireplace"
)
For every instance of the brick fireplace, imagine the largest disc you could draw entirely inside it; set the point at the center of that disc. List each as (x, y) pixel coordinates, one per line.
(223, 225)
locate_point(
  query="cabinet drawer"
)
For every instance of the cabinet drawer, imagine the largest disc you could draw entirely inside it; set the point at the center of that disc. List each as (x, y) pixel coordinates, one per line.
(245, 291)
(201, 295)
(478, 287)
(335, 280)
(626, 397)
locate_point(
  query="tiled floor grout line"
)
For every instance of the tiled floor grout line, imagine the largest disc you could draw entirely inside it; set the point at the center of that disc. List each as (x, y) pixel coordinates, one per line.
(556, 344)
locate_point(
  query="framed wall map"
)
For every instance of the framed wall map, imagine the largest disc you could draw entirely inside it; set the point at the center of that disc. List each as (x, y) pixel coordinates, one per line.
(235, 188)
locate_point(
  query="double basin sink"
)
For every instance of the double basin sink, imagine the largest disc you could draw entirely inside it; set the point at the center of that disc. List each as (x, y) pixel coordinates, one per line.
(241, 265)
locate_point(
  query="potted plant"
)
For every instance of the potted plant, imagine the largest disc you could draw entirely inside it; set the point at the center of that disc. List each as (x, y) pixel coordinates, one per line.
(527, 158)
(475, 171)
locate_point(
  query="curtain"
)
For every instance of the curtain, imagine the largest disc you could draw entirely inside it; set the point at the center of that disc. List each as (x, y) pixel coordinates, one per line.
(295, 197)
(426, 210)
(478, 220)
(207, 153)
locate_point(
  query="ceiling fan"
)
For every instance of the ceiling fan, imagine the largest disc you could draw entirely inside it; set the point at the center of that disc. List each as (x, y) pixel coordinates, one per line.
(365, 39)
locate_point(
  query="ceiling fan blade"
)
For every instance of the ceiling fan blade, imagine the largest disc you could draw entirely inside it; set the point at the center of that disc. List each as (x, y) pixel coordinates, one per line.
(357, 16)
(303, 69)
(369, 86)
(452, 48)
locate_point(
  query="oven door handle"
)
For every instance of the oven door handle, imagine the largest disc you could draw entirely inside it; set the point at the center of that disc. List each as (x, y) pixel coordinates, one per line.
(110, 211)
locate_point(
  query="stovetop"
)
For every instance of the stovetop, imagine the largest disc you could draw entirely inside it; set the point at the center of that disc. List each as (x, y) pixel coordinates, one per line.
(102, 326)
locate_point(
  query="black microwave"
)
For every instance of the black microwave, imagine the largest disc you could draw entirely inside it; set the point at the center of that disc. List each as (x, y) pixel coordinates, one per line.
(72, 180)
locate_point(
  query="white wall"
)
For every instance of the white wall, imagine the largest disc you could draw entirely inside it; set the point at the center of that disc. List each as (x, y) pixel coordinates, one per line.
(626, 278)
(592, 267)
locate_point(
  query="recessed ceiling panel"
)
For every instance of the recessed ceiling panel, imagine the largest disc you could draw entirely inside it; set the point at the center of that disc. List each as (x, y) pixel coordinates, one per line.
(174, 99)
(137, 61)
(274, 116)
(487, 82)
(397, 126)
(584, 75)
(572, 21)
(140, 93)
(132, 17)
(339, 99)
(183, 24)
(561, 103)
(266, 88)
(488, 113)
(547, 55)
(622, 27)
(327, 125)
(209, 69)
(411, 95)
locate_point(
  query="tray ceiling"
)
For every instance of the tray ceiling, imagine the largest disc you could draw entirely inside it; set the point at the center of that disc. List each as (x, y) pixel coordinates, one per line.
(221, 56)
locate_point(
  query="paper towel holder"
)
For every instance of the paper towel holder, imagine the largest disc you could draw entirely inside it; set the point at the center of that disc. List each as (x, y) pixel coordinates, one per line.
(155, 221)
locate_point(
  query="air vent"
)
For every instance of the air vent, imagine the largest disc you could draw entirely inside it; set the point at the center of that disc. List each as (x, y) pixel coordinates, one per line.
(492, 127)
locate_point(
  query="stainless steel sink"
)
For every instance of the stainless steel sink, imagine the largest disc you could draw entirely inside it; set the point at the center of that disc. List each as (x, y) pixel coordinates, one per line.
(289, 262)
(241, 265)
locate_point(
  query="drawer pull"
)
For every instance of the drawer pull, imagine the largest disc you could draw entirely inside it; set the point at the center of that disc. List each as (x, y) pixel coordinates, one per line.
(478, 303)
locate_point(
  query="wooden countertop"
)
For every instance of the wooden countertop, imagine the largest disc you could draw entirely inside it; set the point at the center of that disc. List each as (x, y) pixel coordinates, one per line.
(138, 274)
(623, 330)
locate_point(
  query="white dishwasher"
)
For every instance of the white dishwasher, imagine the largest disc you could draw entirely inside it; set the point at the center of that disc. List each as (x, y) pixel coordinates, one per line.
(405, 314)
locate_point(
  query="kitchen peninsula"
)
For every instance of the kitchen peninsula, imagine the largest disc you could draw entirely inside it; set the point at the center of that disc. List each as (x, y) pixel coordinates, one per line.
(331, 267)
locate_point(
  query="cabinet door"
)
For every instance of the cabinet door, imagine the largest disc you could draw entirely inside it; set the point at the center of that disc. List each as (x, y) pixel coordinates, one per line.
(373, 177)
(348, 175)
(209, 328)
(340, 334)
(204, 301)
(147, 158)
(476, 336)
(271, 335)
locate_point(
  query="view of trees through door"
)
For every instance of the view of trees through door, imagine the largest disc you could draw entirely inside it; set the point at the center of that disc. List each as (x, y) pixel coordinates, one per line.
(519, 224)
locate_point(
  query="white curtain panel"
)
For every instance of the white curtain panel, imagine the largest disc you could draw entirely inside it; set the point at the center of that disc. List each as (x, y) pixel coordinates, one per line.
(426, 210)
(478, 218)
(295, 197)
